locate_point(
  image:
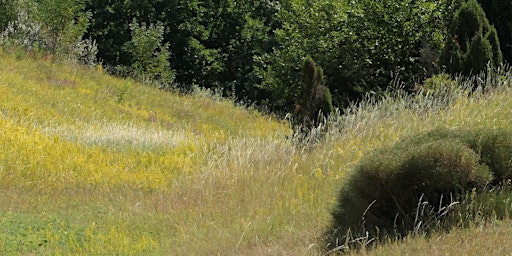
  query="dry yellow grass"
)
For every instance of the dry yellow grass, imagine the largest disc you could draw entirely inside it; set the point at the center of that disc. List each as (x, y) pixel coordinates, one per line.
(91, 164)
(479, 240)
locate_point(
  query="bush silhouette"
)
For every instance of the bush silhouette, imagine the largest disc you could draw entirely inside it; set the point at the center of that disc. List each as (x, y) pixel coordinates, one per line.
(382, 195)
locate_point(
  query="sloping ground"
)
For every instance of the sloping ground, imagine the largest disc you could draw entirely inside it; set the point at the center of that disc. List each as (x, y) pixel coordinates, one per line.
(91, 164)
(490, 239)
(129, 157)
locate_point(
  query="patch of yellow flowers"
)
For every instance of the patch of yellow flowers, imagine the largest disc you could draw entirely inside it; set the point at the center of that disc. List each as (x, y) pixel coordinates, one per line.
(31, 158)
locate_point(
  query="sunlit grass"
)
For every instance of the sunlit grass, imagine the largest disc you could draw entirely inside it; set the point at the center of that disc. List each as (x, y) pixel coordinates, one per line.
(156, 160)
(91, 164)
(485, 239)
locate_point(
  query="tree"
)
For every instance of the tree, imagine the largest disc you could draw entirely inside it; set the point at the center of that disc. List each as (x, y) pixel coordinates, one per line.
(50, 27)
(498, 12)
(387, 41)
(473, 42)
(314, 99)
(214, 43)
(362, 45)
(64, 22)
(150, 56)
(110, 26)
(303, 28)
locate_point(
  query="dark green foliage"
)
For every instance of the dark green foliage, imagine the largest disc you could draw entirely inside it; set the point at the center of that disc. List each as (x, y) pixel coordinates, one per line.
(312, 77)
(110, 26)
(7, 13)
(325, 105)
(497, 55)
(314, 99)
(473, 43)
(361, 45)
(213, 43)
(479, 55)
(250, 49)
(389, 188)
(386, 42)
(499, 14)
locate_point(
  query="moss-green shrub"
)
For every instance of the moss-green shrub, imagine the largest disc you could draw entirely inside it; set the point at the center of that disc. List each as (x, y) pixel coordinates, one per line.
(495, 150)
(494, 147)
(390, 188)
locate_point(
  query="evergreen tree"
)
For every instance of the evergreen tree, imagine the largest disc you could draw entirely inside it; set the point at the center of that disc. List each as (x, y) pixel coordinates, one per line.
(315, 98)
(498, 12)
(473, 43)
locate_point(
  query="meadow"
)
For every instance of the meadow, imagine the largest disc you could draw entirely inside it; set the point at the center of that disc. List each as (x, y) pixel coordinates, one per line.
(96, 165)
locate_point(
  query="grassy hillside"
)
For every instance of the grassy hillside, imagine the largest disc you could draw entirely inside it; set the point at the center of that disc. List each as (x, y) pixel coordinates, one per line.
(95, 165)
(477, 240)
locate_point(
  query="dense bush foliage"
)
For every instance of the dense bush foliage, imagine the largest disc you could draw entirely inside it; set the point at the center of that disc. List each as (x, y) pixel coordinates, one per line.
(495, 149)
(50, 27)
(361, 45)
(212, 43)
(150, 57)
(7, 13)
(390, 187)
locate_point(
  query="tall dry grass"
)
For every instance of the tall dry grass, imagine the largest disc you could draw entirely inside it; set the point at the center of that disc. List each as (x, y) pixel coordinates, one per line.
(91, 164)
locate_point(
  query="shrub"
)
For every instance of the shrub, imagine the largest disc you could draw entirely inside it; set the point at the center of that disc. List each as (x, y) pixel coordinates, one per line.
(389, 187)
(495, 150)
(440, 91)
(436, 168)
(150, 56)
(23, 32)
(50, 27)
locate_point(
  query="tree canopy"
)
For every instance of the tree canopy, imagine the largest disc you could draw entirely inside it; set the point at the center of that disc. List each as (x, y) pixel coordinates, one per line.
(253, 50)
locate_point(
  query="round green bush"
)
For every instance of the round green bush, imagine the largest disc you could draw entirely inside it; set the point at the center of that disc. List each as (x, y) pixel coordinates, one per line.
(385, 192)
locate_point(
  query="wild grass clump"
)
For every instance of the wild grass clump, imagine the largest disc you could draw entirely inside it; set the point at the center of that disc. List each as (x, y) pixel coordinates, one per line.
(413, 185)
